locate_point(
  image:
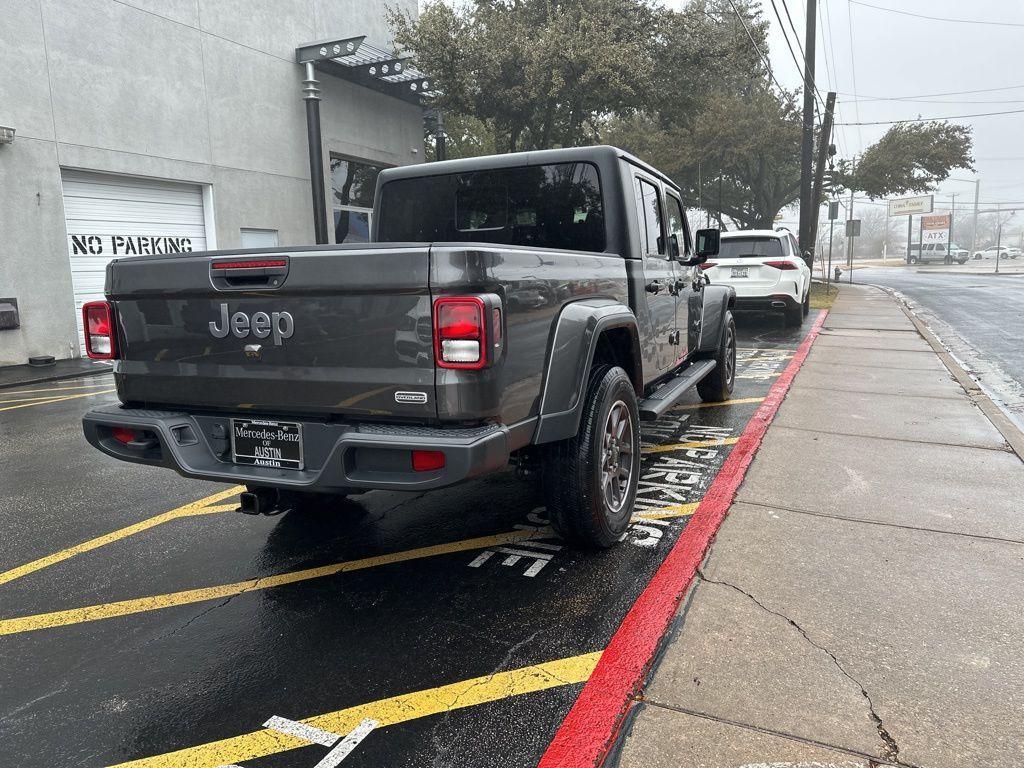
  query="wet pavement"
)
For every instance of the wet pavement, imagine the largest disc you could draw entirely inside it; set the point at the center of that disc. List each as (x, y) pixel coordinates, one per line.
(980, 318)
(143, 622)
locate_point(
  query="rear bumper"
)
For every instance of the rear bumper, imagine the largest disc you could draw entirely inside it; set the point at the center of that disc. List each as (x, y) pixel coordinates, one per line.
(337, 456)
(778, 302)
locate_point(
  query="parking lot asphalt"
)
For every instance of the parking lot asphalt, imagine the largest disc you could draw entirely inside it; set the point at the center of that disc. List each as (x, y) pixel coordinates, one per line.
(144, 622)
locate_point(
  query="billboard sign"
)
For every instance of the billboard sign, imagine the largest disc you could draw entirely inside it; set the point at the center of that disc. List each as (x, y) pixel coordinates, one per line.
(935, 228)
(908, 206)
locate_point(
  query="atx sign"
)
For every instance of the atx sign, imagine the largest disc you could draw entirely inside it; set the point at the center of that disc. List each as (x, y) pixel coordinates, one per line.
(935, 229)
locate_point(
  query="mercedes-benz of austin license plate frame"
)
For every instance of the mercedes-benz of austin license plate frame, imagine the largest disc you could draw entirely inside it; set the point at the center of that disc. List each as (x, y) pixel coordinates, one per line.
(262, 443)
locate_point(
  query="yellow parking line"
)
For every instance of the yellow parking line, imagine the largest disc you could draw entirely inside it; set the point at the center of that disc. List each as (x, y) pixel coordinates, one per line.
(666, 513)
(735, 401)
(204, 594)
(390, 711)
(37, 398)
(757, 375)
(767, 351)
(56, 399)
(53, 389)
(694, 444)
(201, 507)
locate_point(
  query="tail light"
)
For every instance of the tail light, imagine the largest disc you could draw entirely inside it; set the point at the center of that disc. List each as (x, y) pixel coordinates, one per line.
(427, 461)
(709, 264)
(98, 327)
(781, 264)
(460, 333)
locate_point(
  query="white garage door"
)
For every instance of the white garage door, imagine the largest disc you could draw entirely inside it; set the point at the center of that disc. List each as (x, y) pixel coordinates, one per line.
(112, 217)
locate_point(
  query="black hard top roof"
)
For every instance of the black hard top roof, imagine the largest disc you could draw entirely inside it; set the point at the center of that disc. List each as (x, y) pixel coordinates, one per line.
(597, 154)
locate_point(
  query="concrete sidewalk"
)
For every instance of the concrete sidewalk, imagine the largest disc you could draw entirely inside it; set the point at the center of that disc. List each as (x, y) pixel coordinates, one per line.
(863, 603)
(73, 368)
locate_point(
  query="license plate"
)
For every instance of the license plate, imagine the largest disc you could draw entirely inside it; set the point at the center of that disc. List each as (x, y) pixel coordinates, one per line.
(266, 443)
(740, 271)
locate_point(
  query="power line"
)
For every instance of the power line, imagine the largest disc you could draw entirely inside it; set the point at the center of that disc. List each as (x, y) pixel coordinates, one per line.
(845, 144)
(782, 29)
(955, 101)
(926, 95)
(938, 18)
(944, 117)
(753, 42)
(853, 75)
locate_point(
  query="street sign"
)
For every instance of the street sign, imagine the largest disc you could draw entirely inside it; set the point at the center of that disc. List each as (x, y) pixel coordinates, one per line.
(935, 228)
(853, 227)
(833, 210)
(908, 206)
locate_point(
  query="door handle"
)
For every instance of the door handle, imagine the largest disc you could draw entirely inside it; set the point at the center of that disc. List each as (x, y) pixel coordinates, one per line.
(655, 287)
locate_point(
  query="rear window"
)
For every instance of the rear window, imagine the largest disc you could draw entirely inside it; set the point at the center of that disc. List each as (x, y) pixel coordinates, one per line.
(750, 247)
(543, 206)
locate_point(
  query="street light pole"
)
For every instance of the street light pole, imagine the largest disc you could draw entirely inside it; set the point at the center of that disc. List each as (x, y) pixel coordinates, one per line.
(999, 236)
(952, 217)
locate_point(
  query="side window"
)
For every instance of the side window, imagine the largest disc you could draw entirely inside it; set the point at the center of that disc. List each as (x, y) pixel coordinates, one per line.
(648, 212)
(677, 223)
(794, 247)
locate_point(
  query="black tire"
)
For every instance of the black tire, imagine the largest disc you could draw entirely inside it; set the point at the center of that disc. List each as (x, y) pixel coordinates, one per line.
(913, 260)
(717, 385)
(794, 315)
(589, 506)
(807, 303)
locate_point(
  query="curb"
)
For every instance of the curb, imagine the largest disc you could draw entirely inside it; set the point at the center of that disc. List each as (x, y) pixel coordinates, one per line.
(56, 377)
(589, 730)
(970, 274)
(1003, 424)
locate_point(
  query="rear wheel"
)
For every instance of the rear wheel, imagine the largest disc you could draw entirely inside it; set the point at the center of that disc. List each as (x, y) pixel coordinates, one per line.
(717, 385)
(794, 315)
(590, 479)
(807, 302)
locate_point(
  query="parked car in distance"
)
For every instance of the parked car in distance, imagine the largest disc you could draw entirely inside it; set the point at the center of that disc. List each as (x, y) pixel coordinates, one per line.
(766, 270)
(1004, 252)
(937, 252)
(525, 309)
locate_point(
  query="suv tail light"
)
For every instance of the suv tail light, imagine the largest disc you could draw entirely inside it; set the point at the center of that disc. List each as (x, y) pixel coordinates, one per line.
(781, 264)
(98, 327)
(460, 332)
(708, 264)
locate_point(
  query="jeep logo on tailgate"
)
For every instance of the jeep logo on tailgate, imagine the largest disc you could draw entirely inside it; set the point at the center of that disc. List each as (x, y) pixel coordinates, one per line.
(261, 325)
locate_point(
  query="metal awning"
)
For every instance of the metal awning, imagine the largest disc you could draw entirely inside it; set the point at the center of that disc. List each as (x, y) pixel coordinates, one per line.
(355, 60)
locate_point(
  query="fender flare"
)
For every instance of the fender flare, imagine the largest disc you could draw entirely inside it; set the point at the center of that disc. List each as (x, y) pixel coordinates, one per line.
(571, 354)
(718, 300)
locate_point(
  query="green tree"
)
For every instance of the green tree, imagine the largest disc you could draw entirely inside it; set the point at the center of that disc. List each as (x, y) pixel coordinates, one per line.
(910, 157)
(536, 73)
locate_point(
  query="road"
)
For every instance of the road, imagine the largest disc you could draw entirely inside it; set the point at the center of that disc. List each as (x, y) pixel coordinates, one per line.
(980, 318)
(141, 616)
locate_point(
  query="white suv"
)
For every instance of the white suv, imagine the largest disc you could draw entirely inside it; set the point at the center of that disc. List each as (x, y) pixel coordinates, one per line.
(767, 271)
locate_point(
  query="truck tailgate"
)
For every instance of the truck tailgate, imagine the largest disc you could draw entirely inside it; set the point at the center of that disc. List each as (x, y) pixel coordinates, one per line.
(345, 331)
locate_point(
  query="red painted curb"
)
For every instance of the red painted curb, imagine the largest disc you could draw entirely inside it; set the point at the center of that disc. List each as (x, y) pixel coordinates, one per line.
(588, 731)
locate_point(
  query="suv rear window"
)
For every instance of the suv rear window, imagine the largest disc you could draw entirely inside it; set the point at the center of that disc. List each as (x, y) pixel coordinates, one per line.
(750, 247)
(543, 206)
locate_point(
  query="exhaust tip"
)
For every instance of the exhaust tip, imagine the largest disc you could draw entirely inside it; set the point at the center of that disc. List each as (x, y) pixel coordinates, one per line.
(778, 305)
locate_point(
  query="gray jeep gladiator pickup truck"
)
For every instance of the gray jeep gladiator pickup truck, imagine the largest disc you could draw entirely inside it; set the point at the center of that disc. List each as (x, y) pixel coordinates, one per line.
(526, 308)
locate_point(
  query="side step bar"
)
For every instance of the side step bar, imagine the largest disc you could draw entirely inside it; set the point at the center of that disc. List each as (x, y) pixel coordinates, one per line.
(665, 396)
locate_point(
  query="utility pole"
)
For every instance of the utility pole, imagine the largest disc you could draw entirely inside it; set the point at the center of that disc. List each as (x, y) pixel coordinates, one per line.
(807, 140)
(974, 228)
(952, 217)
(440, 148)
(824, 150)
(849, 217)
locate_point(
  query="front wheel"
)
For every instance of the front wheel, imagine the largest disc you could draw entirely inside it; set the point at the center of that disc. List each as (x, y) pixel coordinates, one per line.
(590, 479)
(913, 259)
(717, 386)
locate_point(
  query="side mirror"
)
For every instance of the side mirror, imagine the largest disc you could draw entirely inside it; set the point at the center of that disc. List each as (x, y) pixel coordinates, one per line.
(708, 243)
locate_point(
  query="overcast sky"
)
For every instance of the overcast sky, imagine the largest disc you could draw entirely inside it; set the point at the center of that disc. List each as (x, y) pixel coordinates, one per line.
(897, 55)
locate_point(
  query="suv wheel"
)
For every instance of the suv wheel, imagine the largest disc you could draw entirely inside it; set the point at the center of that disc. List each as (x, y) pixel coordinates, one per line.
(807, 302)
(590, 479)
(717, 385)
